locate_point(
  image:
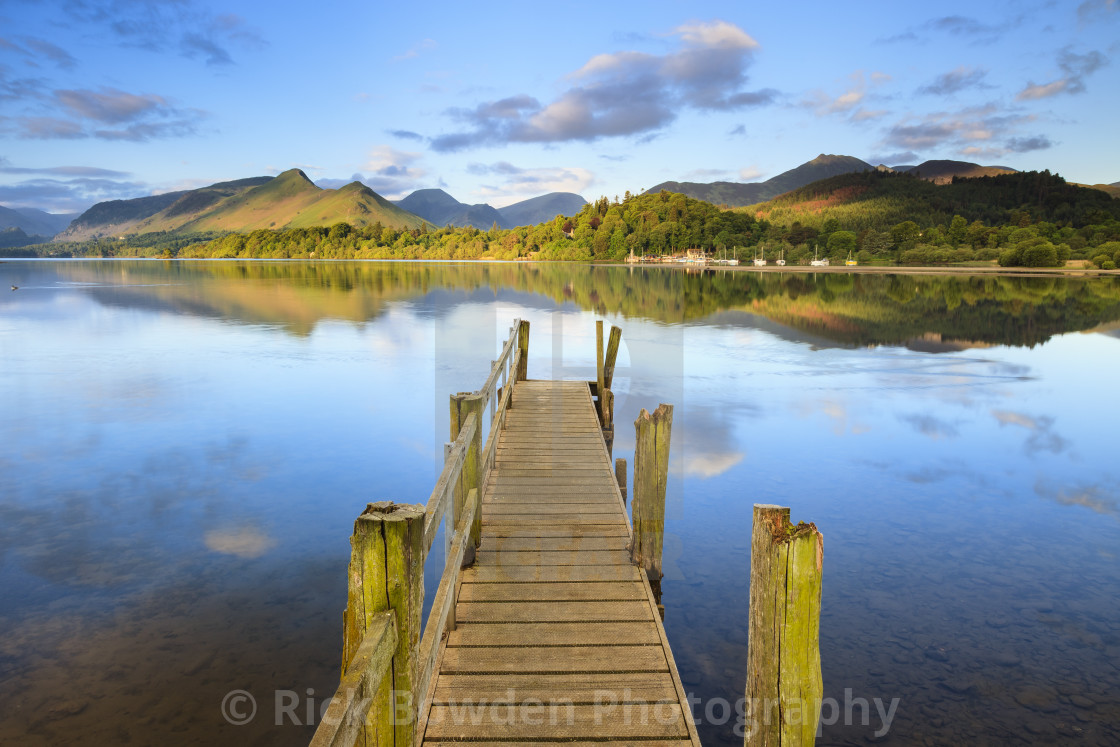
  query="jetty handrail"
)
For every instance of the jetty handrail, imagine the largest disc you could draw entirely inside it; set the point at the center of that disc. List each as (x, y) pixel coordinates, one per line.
(440, 499)
(381, 650)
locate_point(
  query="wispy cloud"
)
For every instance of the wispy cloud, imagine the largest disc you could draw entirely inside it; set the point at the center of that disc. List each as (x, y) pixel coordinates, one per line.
(405, 134)
(973, 29)
(60, 195)
(425, 45)
(955, 81)
(76, 171)
(1076, 67)
(182, 25)
(969, 130)
(1094, 497)
(931, 426)
(108, 114)
(850, 102)
(36, 52)
(1042, 436)
(623, 94)
(1096, 10)
(705, 466)
(1028, 144)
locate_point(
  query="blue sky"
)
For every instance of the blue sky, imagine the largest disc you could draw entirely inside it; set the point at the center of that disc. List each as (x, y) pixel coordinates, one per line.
(110, 99)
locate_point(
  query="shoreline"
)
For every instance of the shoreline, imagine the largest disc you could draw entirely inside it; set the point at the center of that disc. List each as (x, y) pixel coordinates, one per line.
(890, 270)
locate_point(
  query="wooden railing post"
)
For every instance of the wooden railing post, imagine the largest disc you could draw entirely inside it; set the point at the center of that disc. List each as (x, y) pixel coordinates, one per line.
(523, 346)
(386, 573)
(611, 356)
(784, 686)
(620, 477)
(462, 405)
(651, 472)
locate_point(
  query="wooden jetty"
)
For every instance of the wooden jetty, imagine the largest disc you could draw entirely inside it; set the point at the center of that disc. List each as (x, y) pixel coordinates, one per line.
(544, 627)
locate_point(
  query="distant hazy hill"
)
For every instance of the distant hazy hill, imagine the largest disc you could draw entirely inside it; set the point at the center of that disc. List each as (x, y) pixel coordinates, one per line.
(540, 209)
(288, 200)
(35, 222)
(881, 199)
(15, 236)
(942, 172)
(442, 209)
(736, 194)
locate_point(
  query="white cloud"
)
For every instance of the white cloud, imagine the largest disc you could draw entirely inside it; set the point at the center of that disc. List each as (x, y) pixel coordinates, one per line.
(245, 542)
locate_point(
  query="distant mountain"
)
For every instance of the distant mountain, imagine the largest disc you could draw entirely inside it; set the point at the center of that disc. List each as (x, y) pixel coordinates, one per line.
(288, 200)
(15, 236)
(35, 222)
(942, 172)
(738, 194)
(442, 209)
(540, 209)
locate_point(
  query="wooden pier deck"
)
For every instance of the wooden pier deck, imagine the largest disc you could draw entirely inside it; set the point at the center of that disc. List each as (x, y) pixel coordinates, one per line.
(544, 627)
(557, 634)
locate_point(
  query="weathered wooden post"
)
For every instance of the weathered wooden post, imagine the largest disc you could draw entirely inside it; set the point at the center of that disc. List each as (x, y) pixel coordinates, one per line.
(523, 346)
(611, 356)
(599, 372)
(463, 405)
(784, 686)
(651, 472)
(604, 374)
(620, 476)
(386, 574)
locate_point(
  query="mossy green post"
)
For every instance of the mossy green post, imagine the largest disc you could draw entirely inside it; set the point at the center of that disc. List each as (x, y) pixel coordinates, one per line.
(651, 473)
(620, 476)
(386, 573)
(611, 356)
(523, 345)
(784, 686)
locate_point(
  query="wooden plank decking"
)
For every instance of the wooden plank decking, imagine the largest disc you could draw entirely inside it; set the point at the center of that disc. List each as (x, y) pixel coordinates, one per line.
(557, 635)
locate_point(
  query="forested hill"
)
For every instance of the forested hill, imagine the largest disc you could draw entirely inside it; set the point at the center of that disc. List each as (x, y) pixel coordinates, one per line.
(879, 200)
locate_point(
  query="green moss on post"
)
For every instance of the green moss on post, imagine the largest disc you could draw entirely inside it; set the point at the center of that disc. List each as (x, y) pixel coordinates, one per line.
(784, 686)
(651, 472)
(386, 573)
(523, 345)
(611, 356)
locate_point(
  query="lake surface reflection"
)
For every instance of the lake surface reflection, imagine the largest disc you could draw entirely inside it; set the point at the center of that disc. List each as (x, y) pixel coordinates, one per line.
(184, 447)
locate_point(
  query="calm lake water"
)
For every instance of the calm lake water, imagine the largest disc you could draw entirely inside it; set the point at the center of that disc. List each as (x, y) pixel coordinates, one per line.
(184, 447)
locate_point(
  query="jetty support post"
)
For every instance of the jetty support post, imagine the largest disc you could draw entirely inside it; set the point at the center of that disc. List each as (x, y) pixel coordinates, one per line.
(463, 405)
(604, 376)
(647, 508)
(386, 574)
(620, 476)
(523, 347)
(784, 686)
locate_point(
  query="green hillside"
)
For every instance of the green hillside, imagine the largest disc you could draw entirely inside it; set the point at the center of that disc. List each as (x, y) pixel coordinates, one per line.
(288, 200)
(880, 200)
